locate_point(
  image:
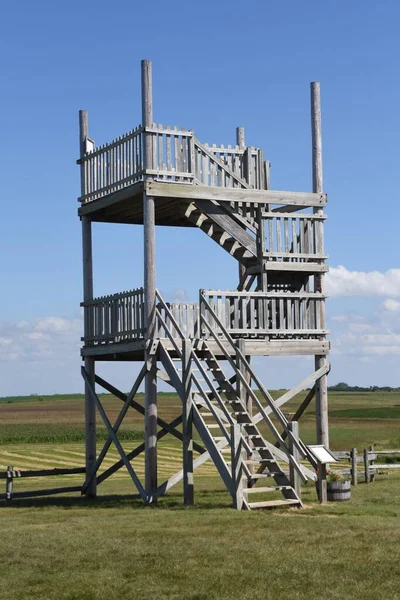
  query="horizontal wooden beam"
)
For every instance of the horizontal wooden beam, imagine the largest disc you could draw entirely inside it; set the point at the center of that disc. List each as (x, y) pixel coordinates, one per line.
(49, 492)
(43, 472)
(204, 192)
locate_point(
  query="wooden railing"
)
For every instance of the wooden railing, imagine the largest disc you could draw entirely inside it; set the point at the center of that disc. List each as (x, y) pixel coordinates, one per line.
(176, 156)
(113, 166)
(120, 317)
(185, 316)
(274, 313)
(294, 237)
(114, 318)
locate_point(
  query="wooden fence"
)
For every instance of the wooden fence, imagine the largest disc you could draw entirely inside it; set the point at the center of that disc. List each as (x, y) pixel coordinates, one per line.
(114, 318)
(297, 238)
(120, 317)
(367, 461)
(176, 155)
(13, 474)
(267, 314)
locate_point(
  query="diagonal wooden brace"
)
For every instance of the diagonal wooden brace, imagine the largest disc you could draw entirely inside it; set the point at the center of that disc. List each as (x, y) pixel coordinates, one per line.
(168, 427)
(127, 404)
(114, 437)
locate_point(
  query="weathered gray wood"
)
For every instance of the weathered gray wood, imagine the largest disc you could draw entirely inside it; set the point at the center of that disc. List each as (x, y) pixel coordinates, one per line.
(372, 457)
(237, 457)
(48, 492)
(366, 466)
(114, 437)
(295, 480)
(240, 138)
(90, 407)
(354, 474)
(150, 293)
(199, 192)
(187, 425)
(322, 384)
(127, 403)
(9, 483)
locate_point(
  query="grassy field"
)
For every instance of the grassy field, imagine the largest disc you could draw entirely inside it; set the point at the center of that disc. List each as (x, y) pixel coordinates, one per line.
(71, 549)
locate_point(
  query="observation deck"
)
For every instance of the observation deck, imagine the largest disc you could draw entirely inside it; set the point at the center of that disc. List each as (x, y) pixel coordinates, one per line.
(270, 324)
(224, 191)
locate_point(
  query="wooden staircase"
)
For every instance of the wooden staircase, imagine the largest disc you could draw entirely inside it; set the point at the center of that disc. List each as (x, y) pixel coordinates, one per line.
(226, 228)
(219, 414)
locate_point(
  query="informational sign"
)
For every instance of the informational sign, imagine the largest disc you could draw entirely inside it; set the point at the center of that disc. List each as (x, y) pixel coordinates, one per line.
(322, 454)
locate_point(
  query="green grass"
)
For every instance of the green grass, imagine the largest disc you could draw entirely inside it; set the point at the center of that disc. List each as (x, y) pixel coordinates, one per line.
(113, 547)
(36, 433)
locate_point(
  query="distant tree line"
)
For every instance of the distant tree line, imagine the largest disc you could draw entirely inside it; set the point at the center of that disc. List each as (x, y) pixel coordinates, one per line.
(344, 387)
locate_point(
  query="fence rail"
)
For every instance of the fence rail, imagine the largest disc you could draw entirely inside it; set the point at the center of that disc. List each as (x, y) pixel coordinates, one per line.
(293, 237)
(114, 318)
(367, 459)
(11, 474)
(176, 155)
(120, 317)
(273, 313)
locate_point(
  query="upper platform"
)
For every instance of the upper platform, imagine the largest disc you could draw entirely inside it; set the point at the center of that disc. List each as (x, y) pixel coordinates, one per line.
(179, 170)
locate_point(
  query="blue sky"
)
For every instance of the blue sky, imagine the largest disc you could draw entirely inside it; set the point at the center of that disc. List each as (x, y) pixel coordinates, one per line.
(216, 66)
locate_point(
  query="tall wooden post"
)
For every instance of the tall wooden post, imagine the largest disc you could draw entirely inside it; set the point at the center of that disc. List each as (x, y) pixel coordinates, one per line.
(241, 390)
(321, 386)
(187, 425)
(295, 480)
(87, 261)
(149, 292)
(241, 143)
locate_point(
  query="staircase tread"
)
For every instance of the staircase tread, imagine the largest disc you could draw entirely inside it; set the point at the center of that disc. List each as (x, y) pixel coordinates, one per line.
(272, 503)
(260, 490)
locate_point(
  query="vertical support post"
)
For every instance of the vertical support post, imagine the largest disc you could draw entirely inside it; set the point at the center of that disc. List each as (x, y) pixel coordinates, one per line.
(241, 143)
(9, 483)
(371, 463)
(187, 425)
(242, 393)
(321, 386)
(87, 262)
(237, 467)
(366, 466)
(295, 480)
(353, 456)
(149, 292)
(90, 407)
(240, 138)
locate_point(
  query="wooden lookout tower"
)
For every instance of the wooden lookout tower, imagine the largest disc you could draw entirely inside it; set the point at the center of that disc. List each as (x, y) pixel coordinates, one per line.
(162, 176)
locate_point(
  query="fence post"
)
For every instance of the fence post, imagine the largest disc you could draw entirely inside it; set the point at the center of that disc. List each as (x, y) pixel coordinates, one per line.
(295, 480)
(353, 457)
(9, 483)
(237, 466)
(371, 464)
(366, 466)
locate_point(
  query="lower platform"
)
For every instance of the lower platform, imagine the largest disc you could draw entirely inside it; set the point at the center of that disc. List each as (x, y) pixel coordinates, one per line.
(134, 350)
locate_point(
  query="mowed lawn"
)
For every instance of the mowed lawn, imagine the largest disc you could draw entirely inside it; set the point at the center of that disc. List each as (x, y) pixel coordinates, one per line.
(113, 547)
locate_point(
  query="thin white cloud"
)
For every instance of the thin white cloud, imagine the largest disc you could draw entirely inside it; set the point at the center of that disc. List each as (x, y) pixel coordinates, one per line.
(46, 338)
(391, 305)
(342, 282)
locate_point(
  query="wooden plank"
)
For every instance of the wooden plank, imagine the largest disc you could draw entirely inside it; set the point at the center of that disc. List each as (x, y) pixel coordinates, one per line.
(17, 473)
(295, 480)
(354, 474)
(150, 296)
(187, 425)
(177, 190)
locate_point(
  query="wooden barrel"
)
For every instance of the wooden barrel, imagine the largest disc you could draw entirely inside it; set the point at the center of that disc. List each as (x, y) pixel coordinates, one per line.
(338, 490)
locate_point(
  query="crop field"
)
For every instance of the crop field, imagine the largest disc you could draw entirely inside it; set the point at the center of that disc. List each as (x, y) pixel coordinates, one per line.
(68, 548)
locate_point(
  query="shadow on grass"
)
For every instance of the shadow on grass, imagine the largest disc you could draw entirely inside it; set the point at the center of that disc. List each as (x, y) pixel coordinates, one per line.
(204, 499)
